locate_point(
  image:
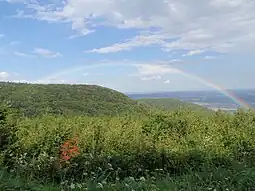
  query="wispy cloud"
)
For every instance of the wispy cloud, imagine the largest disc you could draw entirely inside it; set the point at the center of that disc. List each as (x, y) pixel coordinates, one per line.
(46, 53)
(15, 1)
(4, 75)
(153, 71)
(2, 35)
(185, 25)
(39, 52)
(150, 77)
(22, 54)
(210, 57)
(193, 52)
(137, 41)
(144, 70)
(83, 33)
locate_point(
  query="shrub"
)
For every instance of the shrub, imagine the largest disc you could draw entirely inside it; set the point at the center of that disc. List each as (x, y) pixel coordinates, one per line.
(114, 148)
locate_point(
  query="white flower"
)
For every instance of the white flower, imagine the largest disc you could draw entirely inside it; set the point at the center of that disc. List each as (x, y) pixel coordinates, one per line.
(79, 186)
(72, 186)
(99, 185)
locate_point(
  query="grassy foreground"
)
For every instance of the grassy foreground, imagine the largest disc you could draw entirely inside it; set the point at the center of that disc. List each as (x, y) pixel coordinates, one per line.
(179, 150)
(218, 179)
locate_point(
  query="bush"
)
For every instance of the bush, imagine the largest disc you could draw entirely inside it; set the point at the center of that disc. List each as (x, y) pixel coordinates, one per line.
(115, 148)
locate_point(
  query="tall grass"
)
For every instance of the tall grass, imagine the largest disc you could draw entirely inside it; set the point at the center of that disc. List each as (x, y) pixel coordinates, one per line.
(175, 150)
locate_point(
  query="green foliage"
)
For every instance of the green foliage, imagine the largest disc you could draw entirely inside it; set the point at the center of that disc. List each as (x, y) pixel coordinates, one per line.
(217, 179)
(120, 145)
(169, 104)
(60, 99)
(8, 121)
(183, 145)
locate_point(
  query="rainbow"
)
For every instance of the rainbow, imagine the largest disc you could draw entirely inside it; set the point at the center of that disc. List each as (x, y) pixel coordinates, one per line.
(208, 83)
(222, 90)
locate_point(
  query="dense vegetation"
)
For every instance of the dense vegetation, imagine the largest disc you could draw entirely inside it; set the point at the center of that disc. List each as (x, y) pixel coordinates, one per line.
(92, 100)
(171, 104)
(162, 150)
(176, 150)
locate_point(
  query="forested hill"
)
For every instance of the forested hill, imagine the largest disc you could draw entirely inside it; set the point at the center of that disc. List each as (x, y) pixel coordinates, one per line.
(170, 104)
(92, 100)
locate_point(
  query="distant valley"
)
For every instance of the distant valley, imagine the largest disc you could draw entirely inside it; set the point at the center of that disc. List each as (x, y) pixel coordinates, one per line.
(210, 99)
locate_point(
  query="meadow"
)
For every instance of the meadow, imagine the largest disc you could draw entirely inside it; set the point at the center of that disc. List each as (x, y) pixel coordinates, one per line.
(159, 150)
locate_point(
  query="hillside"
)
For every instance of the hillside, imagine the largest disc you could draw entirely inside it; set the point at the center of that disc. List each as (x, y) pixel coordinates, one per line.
(170, 104)
(92, 100)
(164, 150)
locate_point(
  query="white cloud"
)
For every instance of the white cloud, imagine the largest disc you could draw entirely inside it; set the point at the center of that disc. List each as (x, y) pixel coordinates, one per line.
(85, 74)
(210, 57)
(22, 81)
(39, 52)
(137, 41)
(22, 54)
(167, 82)
(46, 53)
(175, 60)
(193, 52)
(214, 25)
(83, 33)
(13, 77)
(141, 71)
(4, 76)
(148, 78)
(52, 81)
(15, 1)
(153, 71)
(2, 36)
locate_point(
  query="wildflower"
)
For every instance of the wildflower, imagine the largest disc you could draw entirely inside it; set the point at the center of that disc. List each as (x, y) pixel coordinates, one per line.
(72, 186)
(99, 168)
(69, 149)
(65, 145)
(79, 186)
(99, 185)
(66, 157)
(111, 168)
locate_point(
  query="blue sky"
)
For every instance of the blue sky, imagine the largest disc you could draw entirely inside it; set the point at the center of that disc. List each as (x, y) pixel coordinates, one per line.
(129, 45)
